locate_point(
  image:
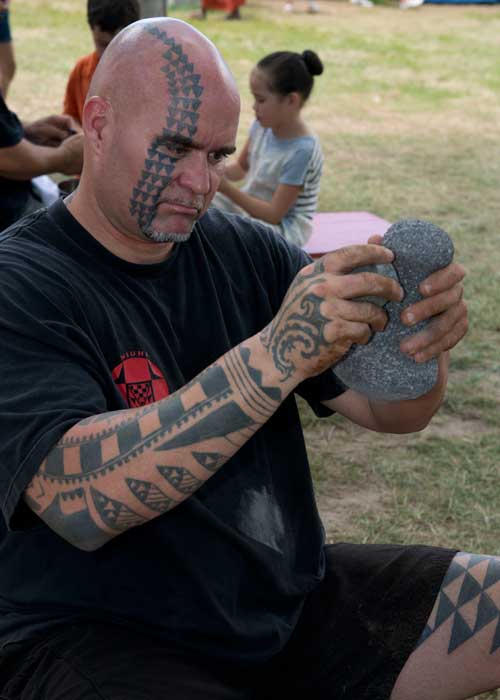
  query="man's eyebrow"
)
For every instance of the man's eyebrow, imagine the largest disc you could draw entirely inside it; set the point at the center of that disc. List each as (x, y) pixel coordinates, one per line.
(180, 140)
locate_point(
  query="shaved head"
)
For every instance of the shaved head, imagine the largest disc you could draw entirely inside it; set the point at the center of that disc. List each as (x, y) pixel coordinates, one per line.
(149, 49)
(163, 90)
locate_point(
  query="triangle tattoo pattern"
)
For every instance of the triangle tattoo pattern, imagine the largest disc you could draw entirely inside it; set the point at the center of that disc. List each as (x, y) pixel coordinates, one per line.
(113, 513)
(469, 598)
(150, 495)
(181, 479)
(184, 93)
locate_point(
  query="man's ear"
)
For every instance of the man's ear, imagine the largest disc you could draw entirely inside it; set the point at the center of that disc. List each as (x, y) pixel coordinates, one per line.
(97, 115)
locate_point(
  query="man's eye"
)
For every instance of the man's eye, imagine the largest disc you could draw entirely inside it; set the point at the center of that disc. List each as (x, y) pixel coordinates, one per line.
(174, 150)
(216, 158)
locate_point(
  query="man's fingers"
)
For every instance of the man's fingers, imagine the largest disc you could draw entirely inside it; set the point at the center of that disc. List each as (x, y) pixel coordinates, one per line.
(432, 306)
(376, 239)
(356, 312)
(367, 284)
(341, 334)
(442, 333)
(442, 280)
(346, 259)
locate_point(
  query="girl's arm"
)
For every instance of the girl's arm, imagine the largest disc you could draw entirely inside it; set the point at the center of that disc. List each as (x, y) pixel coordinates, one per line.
(238, 168)
(272, 212)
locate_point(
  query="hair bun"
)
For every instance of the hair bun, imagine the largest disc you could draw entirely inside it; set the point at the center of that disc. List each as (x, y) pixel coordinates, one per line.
(312, 61)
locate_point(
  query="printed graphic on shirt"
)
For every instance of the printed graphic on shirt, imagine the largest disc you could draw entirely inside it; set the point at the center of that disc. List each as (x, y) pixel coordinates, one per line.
(139, 380)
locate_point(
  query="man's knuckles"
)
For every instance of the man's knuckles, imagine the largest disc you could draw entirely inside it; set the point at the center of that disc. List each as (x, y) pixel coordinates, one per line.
(346, 259)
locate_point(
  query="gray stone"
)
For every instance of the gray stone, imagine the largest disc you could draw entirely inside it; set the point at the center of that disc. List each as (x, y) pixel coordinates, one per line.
(379, 369)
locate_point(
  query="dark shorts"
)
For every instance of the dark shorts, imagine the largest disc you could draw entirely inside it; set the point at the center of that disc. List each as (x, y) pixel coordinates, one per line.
(355, 633)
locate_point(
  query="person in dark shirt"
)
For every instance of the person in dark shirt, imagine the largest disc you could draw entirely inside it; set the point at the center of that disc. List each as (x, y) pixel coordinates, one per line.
(7, 57)
(45, 146)
(159, 535)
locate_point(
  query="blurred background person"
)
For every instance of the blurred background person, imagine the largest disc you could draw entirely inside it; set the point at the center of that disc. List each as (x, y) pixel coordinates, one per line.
(281, 162)
(312, 6)
(105, 18)
(7, 58)
(231, 7)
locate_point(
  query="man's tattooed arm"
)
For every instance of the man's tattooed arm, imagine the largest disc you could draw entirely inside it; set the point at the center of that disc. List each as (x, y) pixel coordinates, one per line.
(117, 470)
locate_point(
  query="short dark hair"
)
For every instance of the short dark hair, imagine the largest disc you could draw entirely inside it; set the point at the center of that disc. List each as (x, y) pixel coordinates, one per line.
(287, 71)
(111, 15)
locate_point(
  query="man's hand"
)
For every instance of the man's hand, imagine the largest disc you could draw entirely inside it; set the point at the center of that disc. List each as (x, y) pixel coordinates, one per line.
(443, 304)
(52, 130)
(319, 319)
(71, 152)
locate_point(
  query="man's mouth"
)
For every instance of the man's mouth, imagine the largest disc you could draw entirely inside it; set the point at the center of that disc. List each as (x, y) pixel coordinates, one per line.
(181, 207)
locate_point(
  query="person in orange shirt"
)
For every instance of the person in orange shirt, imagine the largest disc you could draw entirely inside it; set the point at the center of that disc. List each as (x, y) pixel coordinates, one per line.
(232, 8)
(105, 18)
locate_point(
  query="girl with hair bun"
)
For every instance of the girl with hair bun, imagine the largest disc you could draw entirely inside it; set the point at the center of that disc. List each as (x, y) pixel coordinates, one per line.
(281, 161)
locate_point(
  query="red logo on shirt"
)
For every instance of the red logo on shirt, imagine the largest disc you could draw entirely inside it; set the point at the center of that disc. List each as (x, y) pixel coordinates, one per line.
(139, 380)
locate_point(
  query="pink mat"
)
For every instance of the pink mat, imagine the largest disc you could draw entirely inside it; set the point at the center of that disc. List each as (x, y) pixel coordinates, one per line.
(336, 229)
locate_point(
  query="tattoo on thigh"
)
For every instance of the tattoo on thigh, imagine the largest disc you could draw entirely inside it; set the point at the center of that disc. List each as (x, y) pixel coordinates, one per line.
(470, 598)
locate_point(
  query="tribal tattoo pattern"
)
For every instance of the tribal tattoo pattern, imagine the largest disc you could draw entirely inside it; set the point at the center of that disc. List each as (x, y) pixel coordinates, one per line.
(119, 470)
(469, 599)
(292, 330)
(184, 93)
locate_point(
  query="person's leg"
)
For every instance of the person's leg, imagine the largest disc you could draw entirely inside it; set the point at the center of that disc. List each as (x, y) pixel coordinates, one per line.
(233, 9)
(201, 14)
(100, 662)
(458, 655)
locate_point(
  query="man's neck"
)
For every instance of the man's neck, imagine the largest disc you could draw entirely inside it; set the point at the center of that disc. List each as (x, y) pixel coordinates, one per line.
(125, 245)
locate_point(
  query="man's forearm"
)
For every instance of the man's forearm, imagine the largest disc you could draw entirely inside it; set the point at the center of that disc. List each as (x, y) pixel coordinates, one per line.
(118, 470)
(414, 415)
(27, 160)
(258, 208)
(393, 416)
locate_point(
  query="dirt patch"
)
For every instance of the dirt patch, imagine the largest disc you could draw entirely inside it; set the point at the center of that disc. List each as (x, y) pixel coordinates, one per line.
(340, 504)
(338, 509)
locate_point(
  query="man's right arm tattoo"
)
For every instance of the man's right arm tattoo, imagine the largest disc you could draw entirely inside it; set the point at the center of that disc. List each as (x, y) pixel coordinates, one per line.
(117, 470)
(298, 328)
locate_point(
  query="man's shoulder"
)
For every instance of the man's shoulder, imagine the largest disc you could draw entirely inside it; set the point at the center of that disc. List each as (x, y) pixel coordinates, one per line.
(28, 240)
(242, 239)
(234, 230)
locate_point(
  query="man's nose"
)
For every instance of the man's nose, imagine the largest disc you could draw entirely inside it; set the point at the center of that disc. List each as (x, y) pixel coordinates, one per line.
(195, 173)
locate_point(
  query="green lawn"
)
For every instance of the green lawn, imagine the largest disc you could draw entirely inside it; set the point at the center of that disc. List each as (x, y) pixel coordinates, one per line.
(408, 111)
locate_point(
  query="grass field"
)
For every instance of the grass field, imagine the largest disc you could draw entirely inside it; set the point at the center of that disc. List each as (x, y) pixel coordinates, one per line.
(408, 111)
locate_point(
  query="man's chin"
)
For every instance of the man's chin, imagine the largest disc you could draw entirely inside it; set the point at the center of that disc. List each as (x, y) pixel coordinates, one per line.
(165, 236)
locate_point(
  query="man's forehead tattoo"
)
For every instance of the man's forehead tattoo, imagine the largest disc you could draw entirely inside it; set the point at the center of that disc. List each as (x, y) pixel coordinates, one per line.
(184, 93)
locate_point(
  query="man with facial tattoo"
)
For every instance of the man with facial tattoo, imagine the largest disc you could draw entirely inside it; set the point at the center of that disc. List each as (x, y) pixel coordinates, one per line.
(160, 537)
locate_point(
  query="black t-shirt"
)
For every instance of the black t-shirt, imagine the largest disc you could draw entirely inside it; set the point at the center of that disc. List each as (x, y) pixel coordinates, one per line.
(13, 193)
(83, 332)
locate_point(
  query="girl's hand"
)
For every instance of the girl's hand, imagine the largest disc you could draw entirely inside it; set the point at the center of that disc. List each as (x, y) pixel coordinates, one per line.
(224, 186)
